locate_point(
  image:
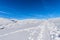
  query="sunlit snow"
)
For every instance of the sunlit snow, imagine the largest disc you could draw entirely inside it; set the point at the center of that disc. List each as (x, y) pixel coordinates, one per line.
(30, 29)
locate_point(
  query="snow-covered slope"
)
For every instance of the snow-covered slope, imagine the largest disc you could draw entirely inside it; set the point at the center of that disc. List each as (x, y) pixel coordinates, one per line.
(30, 29)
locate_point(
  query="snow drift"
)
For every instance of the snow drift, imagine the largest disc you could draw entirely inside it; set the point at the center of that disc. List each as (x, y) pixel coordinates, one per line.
(13, 29)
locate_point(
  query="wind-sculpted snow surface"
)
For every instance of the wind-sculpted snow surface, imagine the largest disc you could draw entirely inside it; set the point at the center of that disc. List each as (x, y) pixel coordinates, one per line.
(30, 29)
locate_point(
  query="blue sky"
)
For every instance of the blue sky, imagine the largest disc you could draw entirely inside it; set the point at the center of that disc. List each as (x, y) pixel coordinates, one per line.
(22, 9)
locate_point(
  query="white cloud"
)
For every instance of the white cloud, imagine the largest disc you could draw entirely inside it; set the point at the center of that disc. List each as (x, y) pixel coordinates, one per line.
(4, 12)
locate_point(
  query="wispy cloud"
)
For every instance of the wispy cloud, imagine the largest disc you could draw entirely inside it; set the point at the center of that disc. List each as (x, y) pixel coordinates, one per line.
(3, 12)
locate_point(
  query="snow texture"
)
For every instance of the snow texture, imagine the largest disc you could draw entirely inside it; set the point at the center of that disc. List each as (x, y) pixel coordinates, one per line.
(30, 29)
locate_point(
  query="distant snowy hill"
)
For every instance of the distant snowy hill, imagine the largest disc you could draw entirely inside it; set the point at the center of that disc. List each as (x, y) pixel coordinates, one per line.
(30, 29)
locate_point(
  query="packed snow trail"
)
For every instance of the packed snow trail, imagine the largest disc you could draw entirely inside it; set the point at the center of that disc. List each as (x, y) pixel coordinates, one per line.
(19, 31)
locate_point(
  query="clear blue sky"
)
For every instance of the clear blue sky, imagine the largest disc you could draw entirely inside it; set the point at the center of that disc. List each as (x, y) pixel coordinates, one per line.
(22, 9)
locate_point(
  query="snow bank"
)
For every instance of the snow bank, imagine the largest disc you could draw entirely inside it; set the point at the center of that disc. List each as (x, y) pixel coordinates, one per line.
(13, 29)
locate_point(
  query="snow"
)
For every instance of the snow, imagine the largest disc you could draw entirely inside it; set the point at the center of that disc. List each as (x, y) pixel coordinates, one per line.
(29, 29)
